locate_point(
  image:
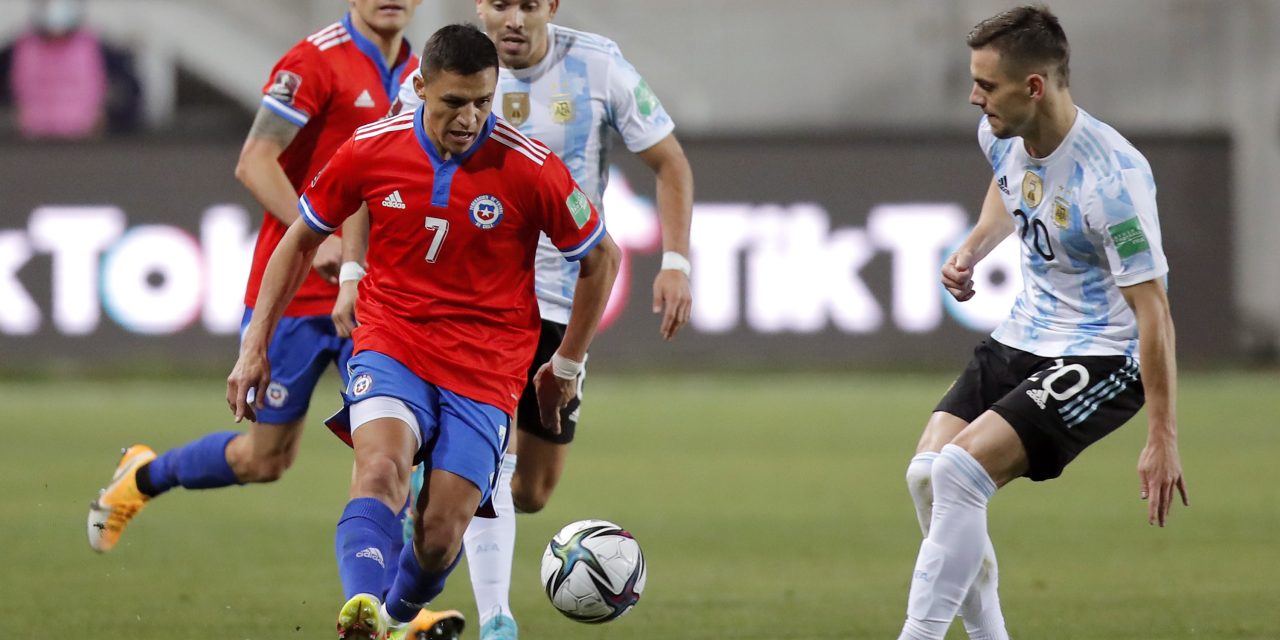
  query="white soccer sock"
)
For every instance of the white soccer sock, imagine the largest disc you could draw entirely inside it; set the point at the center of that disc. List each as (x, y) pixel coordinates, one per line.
(920, 485)
(980, 609)
(490, 543)
(951, 555)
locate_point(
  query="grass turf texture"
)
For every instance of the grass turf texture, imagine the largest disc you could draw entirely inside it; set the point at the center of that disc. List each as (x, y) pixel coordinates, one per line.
(766, 507)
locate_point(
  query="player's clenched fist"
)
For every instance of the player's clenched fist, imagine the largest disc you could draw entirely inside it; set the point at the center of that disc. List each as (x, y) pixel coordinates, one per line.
(957, 276)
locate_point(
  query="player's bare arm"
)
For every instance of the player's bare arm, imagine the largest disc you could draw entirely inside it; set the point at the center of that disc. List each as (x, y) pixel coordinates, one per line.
(994, 225)
(355, 243)
(260, 171)
(595, 282)
(671, 295)
(1159, 465)
(285, 272)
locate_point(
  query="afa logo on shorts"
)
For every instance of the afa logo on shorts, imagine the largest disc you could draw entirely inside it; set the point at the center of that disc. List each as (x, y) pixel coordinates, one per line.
(486, 211)
(361, 384)
(277, 394)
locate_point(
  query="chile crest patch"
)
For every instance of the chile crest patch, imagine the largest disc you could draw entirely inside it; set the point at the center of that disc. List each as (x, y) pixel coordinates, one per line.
(486, 211)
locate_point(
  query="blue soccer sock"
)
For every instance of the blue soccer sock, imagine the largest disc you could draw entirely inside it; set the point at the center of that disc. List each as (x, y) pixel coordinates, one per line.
(363, 544)
(397, 545)
(200, 464)
(413, 587)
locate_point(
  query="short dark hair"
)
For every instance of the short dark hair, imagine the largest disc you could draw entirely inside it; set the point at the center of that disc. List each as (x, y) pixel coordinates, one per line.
(458, 48)
(1025, 36)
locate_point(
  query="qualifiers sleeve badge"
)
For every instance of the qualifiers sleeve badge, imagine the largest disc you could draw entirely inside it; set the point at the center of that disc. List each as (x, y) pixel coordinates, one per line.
(285, 86)
(1129, 238)
(646, 102)
(486, 211)
(579, 207)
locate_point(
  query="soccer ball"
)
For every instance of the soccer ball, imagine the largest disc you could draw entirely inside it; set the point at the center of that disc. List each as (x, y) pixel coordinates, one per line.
(593, 571)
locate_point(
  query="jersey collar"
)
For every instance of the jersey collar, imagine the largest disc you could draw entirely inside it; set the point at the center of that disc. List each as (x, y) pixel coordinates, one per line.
(390, 77)
(1062, 149)
(430, 148)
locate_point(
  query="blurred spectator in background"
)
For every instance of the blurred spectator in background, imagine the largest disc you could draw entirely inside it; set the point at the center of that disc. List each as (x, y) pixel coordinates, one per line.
(63, 82)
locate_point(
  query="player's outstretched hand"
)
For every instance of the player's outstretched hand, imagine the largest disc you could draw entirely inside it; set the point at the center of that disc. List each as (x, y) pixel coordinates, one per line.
(344, 309)
(672, 298)
(328, 260)
(247, 385)
(554, 394)
(957, 276)
(1160, 470)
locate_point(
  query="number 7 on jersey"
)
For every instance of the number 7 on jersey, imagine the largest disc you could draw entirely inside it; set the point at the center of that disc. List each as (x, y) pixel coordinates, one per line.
(441, 227)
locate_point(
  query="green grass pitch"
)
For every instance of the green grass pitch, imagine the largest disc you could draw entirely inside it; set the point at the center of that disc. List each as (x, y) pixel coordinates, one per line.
(767, 507)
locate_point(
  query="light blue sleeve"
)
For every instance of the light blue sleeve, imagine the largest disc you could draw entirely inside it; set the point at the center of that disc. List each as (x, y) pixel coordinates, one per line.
(1121, 209)
(635, 110)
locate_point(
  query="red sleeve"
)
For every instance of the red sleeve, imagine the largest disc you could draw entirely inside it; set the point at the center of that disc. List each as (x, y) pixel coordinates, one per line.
(299, 85)
(565, 213)
(334, 193)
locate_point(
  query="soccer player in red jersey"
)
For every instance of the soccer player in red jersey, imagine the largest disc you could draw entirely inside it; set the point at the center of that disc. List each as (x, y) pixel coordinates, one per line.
(448, 316)
(326, 86)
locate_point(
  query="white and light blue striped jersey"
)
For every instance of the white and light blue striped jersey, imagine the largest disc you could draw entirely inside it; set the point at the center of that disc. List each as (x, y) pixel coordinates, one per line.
(569, 101)
(1086, 215)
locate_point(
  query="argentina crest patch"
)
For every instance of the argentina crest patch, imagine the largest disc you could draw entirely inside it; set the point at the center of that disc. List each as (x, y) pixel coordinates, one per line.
(486, 211)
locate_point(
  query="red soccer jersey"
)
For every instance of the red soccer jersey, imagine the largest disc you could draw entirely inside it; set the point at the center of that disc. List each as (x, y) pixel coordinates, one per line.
(449, 290)
(328, 84)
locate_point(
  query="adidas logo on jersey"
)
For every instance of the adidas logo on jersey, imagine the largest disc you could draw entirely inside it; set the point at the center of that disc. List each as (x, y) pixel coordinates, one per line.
(1038, 396)
(374, 554)
(365, 100)
(1003, 183)
(393, 201)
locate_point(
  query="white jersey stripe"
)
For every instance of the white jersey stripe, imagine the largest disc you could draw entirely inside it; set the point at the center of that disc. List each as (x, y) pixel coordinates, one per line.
(525, 139)
(385, 123)
(524, 151)
(333, 43)
(515, 135)
(326, 32)
(514, 142)
(374, 134)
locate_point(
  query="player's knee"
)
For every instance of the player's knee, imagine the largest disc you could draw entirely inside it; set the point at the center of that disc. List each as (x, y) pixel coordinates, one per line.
(380, 477)
(437, 544)
(530, 497)
(269, 468)
(920, 476)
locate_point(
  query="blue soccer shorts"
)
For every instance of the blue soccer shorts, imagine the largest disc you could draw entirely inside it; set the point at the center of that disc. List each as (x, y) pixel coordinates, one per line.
(455, 433)
(300, 350)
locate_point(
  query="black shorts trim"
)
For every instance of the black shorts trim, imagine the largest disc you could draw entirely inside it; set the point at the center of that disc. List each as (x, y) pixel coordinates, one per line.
(528, 417)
